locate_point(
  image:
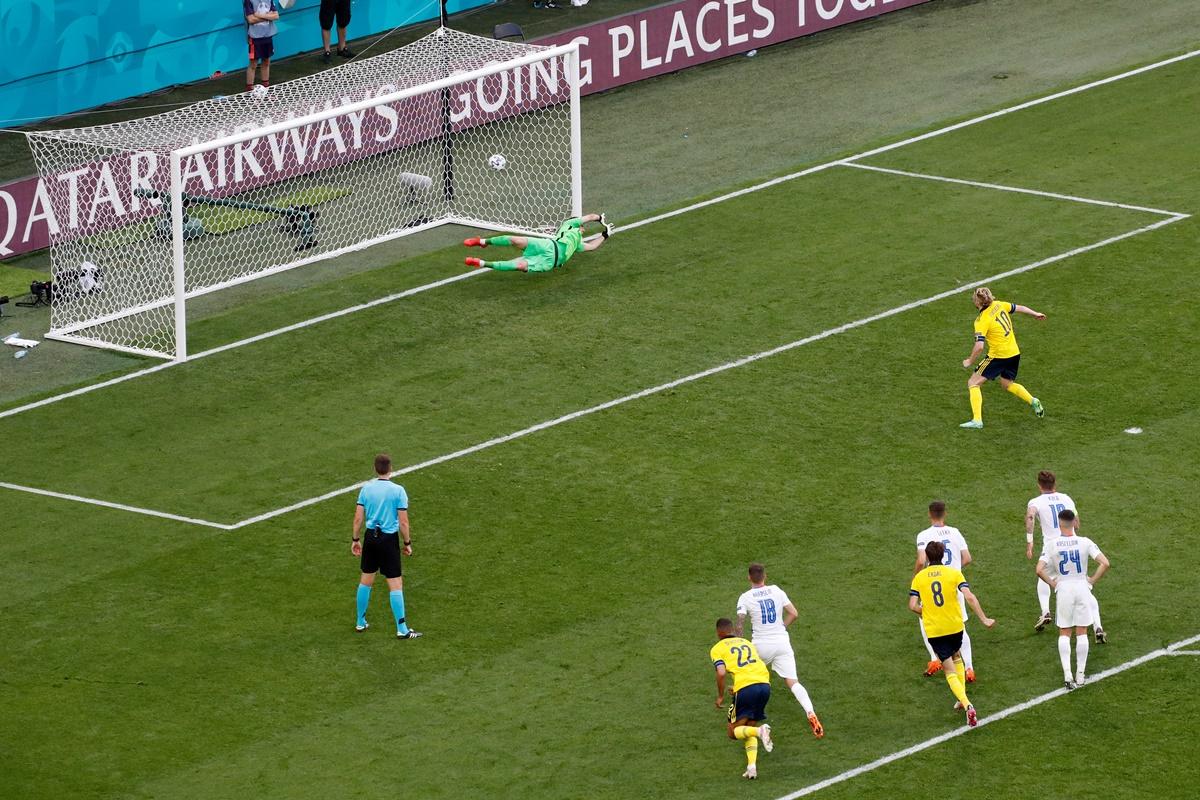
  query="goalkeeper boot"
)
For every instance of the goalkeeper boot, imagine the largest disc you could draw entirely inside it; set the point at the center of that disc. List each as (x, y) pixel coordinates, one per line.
(475, 262)
(475, 241)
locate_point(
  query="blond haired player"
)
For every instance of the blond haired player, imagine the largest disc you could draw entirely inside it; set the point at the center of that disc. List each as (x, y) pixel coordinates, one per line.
(1045, 509)
(958, 556)
(733, 655)
(994, 327)
(931, 596)
(771, 612)
(1064, 566)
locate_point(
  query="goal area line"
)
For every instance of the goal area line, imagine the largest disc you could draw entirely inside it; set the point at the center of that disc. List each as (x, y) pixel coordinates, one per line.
(1177, 648)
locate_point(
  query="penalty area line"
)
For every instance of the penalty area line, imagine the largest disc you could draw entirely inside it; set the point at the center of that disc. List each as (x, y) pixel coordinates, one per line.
(1169, 650)
(741, 362)
(149, 512)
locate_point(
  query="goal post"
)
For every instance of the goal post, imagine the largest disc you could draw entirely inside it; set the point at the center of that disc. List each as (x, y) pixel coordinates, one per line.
(159, 211)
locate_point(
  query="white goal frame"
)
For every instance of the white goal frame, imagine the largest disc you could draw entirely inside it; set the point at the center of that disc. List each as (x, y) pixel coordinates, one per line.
(74, 333)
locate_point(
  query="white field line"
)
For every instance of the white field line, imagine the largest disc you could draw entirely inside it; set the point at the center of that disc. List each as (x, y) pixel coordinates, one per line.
(647, 221)
(149, 512)
(911, 140)
(741, 362)
(1184, 653)
(1169, 650)
(1018, 190)
(257, 338)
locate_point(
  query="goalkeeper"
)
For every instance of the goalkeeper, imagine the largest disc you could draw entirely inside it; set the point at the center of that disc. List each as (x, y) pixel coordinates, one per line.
(542, 255)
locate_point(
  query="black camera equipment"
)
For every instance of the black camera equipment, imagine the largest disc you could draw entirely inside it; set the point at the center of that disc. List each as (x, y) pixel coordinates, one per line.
(41, 294)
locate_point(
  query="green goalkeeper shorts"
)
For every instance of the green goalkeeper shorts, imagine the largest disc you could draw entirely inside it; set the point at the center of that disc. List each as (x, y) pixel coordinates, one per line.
(540, 255)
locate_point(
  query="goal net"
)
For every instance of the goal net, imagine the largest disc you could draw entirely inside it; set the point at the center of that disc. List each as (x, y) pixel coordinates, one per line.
(148, 214)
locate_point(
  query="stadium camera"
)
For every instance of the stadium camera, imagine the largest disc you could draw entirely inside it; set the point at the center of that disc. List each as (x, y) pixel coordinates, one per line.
(41, 294)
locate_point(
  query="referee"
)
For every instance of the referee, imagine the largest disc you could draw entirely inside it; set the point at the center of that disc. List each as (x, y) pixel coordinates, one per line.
(383, 506)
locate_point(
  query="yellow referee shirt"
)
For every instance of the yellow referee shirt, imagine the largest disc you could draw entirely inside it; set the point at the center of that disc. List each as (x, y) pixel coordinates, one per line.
(994, 325)
(937, 587)
(741, 660)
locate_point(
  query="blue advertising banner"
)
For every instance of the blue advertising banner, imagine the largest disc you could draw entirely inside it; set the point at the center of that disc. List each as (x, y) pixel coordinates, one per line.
(68, 55)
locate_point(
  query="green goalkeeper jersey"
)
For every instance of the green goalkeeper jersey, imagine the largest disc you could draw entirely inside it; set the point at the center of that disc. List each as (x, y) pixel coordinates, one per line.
(568, 239)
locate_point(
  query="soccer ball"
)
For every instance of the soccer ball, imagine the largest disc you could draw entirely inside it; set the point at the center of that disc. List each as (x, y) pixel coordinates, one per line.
(498, 162)
(259, 91)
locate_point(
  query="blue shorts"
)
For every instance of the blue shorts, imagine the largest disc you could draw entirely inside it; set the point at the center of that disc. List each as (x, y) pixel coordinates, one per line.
(262, 49)
(750, 703)
(993, 368)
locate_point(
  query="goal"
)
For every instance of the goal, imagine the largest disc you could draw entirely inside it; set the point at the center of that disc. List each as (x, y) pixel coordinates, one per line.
(148, 214)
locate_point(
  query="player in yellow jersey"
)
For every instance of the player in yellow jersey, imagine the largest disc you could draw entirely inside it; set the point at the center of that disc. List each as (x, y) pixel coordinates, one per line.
(733, 655)
(933, 596)
(994, 327)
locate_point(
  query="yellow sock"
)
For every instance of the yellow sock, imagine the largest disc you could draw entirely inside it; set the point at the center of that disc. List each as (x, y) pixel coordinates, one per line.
(956, 686)
(977, 403)
(1021, 392)
(961, 669)
(751, 751)
(745, 732)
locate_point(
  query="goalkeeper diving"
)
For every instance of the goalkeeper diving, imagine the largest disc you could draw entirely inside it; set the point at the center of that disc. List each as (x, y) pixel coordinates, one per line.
(542, 255)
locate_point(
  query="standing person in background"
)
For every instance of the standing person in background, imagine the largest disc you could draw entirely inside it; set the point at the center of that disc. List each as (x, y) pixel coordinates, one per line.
(331, 10)
(260, 31)
(383, 508)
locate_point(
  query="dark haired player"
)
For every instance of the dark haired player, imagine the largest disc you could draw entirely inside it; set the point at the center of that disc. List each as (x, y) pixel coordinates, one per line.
(383, 508)
(932, 596)
(733, 655)
(542, 255)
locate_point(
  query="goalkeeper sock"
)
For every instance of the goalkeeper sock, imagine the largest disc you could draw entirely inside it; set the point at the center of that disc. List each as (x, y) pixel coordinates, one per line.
(364, 599)
(976, 403)
(500, 240)
(1021, 392)
(503, 266)
(397, 598)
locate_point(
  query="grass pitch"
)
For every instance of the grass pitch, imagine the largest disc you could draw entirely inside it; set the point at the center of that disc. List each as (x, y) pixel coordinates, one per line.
(568, 580)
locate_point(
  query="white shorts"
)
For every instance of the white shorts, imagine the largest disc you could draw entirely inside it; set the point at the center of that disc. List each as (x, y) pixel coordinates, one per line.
(777, 654)
(1074, 605)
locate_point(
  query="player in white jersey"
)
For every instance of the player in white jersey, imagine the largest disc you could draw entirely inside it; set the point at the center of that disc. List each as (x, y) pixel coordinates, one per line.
(1045, 509)
(771, 612)
(1064, 565)
(957, 556)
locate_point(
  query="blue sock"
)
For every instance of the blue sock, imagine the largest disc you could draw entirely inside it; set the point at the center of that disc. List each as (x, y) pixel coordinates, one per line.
(364, 597)
(398, 611)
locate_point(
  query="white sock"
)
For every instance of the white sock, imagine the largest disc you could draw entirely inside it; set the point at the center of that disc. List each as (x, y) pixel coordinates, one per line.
(1081, 654)
(1043, 590)
(925, 639)
(1064, 655)
(1096, 613)
(966, 651)
(802, 696)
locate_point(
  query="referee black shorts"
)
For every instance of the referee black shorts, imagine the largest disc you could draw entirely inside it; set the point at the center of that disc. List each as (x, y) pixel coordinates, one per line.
(946, 646)
(993, 368)
(331, 9)
(381, 553)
